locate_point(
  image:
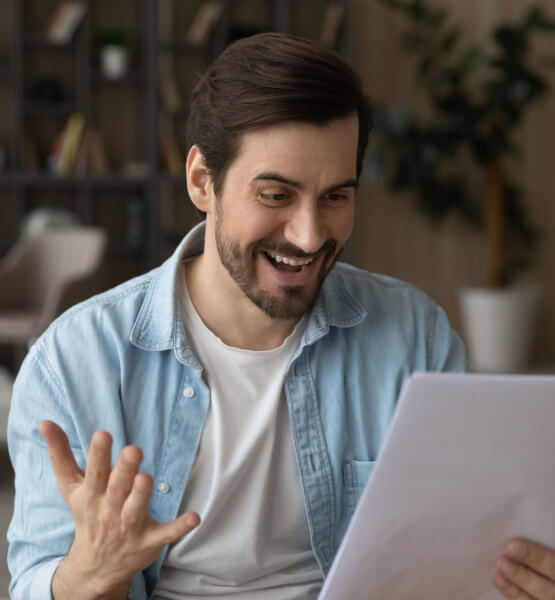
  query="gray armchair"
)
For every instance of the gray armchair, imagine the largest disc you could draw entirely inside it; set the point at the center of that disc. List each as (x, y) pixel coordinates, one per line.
(35, 274)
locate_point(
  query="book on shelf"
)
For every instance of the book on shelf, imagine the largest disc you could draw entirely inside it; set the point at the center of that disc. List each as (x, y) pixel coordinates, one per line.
(81, 164)
(64, 20)
(204, 21)
(97, 159)
(71, 139)
(171, 155)
(334, 14)
(170, 90)
(54, 152)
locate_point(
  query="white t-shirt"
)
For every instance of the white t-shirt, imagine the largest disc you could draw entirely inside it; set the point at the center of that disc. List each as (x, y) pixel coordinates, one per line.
(253, 541)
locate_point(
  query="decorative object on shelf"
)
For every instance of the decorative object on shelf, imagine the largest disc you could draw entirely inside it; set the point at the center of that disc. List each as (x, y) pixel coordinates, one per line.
(65, 20)
(114, 53)
(454, 161)
(204, 22)
(169, 89)
(135, 169)
(334, 15)
(97, 159)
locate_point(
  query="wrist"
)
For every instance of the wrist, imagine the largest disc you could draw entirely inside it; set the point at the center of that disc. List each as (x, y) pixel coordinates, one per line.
(68, 578)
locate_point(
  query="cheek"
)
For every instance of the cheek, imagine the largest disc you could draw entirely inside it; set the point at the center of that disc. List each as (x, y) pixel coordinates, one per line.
(250, 224)
(341, 225)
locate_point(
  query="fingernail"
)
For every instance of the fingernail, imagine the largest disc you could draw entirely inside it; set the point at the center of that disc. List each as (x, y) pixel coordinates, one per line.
(517, 548)
(508, 567)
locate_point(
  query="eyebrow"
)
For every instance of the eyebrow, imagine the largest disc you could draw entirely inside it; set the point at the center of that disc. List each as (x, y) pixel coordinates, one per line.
(273, 176)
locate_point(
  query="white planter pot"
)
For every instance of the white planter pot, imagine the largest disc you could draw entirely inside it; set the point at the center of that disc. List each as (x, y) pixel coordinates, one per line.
(114, 61)
(498, 326)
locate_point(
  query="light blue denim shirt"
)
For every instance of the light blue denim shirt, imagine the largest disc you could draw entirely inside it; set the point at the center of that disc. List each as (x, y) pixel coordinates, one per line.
(121, 362)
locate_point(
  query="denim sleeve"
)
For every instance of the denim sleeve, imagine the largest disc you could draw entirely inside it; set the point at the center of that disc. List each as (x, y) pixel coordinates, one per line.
(42, 529)
(445, 349)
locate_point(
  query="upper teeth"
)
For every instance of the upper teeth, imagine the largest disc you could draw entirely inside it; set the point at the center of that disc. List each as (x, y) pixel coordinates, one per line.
(295, 262)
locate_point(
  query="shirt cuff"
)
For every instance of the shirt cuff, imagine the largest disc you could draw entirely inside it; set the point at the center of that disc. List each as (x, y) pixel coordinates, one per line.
(36, 583)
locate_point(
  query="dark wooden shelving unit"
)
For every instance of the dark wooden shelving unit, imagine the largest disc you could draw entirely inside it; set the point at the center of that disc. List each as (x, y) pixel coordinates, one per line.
(129, 112)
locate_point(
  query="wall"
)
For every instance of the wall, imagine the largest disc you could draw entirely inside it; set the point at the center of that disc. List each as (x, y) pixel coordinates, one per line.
(391, 236)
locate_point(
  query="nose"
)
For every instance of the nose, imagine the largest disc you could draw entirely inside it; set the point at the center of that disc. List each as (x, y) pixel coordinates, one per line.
(305, 228)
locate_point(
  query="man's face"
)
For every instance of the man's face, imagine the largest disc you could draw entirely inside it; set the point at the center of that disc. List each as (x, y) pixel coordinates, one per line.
(285, 211)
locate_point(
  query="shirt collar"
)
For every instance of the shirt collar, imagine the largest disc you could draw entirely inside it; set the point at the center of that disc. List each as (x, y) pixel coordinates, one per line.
(158, 325)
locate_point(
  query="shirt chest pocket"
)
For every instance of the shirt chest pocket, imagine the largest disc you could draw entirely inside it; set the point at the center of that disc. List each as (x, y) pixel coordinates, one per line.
(355, 475)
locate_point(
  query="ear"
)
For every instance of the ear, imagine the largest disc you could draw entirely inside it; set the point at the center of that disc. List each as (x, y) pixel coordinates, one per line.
(199, 183)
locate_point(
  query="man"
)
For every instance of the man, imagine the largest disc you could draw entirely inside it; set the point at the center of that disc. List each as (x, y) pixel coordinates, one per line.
(251, 375)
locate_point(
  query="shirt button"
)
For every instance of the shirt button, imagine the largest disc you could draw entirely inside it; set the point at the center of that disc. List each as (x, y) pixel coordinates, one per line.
(163, 487)
(188, 391)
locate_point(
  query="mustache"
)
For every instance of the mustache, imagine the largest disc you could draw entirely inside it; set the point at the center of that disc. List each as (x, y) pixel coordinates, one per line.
(328, 247)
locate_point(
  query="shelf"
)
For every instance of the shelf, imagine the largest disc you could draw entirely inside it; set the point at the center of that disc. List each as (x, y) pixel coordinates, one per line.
(133, 77)
(38, 41)
(47, 180)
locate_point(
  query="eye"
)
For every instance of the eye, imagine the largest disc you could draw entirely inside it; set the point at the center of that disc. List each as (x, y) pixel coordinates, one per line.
(337, 197)
(272, 197)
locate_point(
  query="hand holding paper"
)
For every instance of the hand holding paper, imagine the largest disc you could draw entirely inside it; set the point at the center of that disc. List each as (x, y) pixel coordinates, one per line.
(526, 570)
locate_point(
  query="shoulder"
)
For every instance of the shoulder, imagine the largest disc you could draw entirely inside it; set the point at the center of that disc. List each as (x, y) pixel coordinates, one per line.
(116, 307)
(93, 335)
(395, 314)
(373, 290)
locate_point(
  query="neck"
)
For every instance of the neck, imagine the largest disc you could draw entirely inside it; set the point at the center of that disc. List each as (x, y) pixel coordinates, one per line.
(228, 313)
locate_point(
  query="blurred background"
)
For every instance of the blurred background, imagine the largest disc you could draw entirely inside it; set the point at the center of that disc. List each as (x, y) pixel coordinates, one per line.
(457, 194)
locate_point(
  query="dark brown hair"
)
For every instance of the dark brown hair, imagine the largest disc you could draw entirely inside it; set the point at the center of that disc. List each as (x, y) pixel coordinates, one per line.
(266, 79)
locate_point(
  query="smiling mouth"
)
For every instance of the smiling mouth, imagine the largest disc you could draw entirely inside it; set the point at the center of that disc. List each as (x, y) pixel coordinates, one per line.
(287, 263)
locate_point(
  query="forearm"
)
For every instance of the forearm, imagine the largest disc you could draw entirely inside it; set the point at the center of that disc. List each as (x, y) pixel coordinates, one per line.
(67, 580)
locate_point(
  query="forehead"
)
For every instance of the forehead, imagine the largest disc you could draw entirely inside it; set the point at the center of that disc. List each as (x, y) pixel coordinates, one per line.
(300, 148)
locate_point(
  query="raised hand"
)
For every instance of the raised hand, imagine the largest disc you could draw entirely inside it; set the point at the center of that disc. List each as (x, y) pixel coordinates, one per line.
(114, 535)
(526, 571)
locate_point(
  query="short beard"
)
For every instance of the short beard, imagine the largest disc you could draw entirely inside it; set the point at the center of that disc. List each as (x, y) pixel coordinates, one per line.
(295, 304)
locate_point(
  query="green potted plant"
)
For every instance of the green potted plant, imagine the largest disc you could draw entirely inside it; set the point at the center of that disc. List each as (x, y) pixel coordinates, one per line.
(477, 97)
(114, 53)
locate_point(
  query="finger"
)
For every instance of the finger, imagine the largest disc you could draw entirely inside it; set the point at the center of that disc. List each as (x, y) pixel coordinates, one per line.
(538, 557)
(121, 479)
(508, 589)
(163, 534)
(97, 471)
(135, 508)
(527, 580)
(65, 468)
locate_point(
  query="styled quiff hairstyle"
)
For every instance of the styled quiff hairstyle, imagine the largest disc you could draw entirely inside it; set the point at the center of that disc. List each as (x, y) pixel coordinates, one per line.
(266, 79)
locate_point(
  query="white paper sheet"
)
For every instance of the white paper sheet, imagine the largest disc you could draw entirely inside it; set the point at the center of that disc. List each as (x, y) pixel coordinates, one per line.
(469, 461)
